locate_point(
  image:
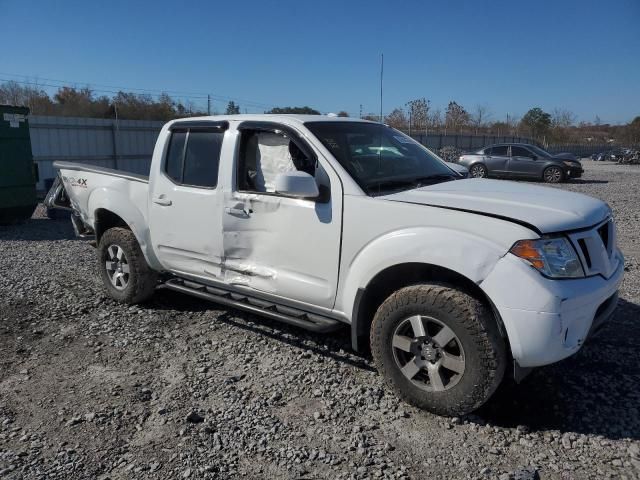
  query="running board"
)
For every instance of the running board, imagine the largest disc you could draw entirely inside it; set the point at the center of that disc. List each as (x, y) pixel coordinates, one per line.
(291, 316)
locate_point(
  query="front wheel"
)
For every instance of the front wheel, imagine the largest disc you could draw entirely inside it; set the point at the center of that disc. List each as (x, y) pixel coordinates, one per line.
(438, 348)
(553, 175)
(123, 268)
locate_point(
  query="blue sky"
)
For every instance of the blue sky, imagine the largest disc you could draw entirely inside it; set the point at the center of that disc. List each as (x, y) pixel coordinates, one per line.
(509, 55)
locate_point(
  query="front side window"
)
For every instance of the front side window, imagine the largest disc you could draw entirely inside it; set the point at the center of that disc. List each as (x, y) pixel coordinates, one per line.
(266, 154)
(194, 156)
(520, 152)
(379, 158)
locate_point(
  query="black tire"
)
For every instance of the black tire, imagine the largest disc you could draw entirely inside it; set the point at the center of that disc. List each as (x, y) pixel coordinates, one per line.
(553, 174)
(136, 285)
(478, 170)
(480, 343)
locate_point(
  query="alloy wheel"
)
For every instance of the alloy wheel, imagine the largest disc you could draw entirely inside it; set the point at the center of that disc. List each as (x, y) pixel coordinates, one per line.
(553, 174)
(117, 267)
(478, 171)
(428, 353)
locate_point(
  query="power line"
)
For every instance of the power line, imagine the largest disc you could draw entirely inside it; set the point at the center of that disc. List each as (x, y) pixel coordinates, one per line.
(114, 90)
(110, 89)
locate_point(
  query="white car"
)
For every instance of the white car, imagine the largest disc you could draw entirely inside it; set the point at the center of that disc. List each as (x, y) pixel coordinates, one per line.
(319, 221)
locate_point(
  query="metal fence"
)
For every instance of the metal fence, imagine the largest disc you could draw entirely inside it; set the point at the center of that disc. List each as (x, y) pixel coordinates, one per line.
(465, 142)
(128, 144)
(120, 144)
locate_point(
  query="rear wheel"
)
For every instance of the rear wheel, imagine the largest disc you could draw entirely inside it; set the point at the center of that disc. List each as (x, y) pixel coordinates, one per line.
(438, 348)
(478, 171)
(123, 268)
(553, 175)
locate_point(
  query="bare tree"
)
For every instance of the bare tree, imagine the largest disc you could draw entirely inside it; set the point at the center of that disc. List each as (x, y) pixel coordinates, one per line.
(397, 119)
(562, 118)
(418, 113)
(456, 116)
(480, 116)
(434, 122)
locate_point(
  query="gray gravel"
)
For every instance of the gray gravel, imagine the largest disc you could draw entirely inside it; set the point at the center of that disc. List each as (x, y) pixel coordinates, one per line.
(179, 388)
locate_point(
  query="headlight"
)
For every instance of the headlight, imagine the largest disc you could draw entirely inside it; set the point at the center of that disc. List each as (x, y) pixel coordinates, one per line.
(553, 257)
(570, 164)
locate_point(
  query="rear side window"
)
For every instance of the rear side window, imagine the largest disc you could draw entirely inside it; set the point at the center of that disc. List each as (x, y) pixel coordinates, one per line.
(193, 157)
(500, 151)
(173, 166)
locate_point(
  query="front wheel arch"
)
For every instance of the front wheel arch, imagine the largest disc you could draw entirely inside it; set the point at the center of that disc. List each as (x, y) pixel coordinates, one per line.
(392, 279)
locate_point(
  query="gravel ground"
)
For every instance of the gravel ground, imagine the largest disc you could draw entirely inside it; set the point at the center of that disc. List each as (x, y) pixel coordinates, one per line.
(179, 388)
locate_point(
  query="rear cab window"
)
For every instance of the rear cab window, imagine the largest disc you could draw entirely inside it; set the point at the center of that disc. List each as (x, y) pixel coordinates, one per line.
(193, 156)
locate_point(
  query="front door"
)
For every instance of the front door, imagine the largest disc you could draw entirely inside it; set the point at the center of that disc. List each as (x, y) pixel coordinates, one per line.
(498, 159)
(277, 245)
(524, 163)
(185, 201)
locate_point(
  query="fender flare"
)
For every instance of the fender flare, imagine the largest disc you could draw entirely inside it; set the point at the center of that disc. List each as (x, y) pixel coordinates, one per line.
(428, 246)
(117, 203)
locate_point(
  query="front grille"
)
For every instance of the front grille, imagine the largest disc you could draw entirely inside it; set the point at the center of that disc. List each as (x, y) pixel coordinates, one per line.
(596, 249)
(585, 251)
(603, 231)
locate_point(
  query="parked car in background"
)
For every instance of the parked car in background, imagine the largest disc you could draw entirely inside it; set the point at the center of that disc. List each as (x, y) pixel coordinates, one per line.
(521, 160)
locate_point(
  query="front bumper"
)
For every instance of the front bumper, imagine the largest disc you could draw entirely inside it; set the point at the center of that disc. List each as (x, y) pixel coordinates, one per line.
(574, 172)
(549, 320)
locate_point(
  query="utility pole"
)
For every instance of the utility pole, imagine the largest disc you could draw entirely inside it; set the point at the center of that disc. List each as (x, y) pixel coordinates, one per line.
(360, 110)
(381, 76)
(208, 104)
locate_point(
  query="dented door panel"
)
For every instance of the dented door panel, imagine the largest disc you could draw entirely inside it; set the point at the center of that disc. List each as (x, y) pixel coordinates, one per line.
(282, 246)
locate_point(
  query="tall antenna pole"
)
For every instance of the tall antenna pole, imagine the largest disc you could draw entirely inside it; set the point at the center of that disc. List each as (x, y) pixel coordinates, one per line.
(208, 104)
(381, 76)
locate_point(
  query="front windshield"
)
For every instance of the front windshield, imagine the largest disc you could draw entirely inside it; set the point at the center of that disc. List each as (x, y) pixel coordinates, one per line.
(539, 151)
(379, 158)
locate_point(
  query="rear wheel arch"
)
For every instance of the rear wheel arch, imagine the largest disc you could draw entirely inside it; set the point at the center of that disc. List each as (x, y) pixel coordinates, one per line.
(105, 219)
(392, 279)
(478, 165)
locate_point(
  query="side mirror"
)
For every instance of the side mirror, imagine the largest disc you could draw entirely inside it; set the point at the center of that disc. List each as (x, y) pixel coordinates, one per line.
(297, 184)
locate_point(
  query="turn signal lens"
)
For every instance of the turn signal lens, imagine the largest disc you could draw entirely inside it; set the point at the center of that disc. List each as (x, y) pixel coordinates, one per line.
(553, 257)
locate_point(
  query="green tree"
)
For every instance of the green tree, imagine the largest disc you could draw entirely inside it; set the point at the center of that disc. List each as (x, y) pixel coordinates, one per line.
(298, 110)
(537, 121)
(232, 108)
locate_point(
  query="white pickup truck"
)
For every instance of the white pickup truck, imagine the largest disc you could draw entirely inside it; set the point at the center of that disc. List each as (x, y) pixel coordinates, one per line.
(318, 221)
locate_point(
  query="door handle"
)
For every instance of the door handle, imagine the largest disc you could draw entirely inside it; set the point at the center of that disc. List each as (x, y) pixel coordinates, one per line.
(238, 210)
(162, 200)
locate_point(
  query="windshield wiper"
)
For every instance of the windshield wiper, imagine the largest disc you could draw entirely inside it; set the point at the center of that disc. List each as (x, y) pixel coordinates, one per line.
(407, 182)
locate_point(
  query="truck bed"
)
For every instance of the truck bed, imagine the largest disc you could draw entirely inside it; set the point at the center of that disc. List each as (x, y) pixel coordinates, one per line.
(83, 167)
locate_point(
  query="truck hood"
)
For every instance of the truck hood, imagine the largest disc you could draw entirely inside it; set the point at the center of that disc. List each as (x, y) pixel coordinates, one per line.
(543, 209)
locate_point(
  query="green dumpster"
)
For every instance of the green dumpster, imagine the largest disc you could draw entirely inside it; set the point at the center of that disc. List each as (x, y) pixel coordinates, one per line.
(18, 173)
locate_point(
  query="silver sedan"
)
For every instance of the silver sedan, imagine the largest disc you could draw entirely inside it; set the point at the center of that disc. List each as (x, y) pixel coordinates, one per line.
(519, 160)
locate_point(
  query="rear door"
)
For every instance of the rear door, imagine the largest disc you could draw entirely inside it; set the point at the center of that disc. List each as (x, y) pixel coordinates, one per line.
(524, 163)
(497, 159)
(185, 202)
